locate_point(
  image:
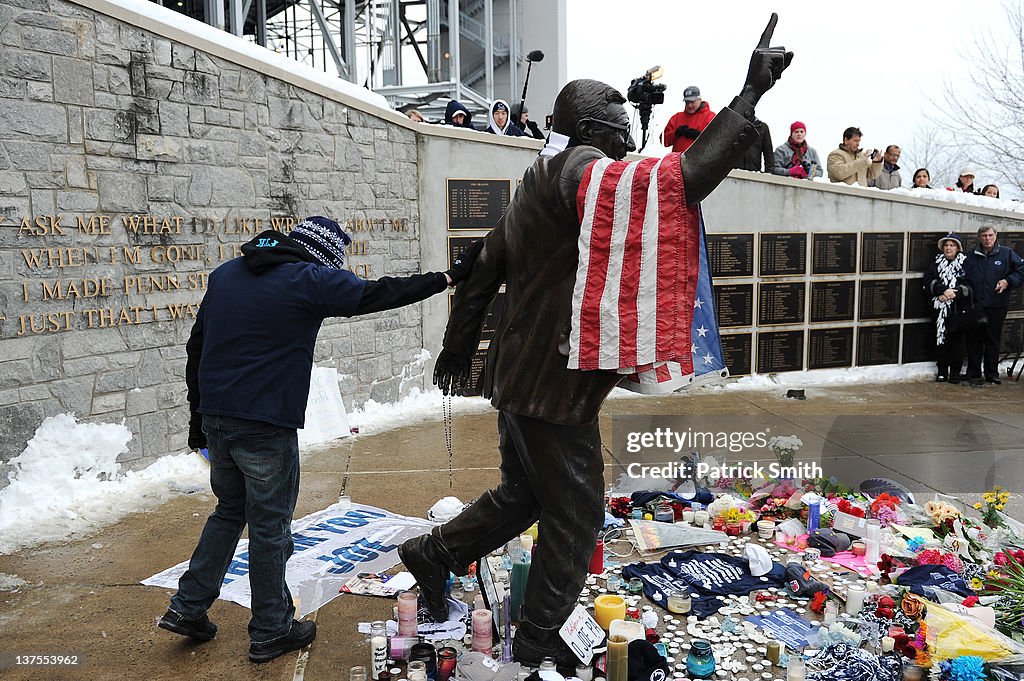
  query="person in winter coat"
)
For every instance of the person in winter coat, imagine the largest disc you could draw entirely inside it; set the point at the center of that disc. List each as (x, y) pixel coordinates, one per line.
(994, 269)
(889, 178)
(682, 129)
(947, 283)
(458, 115)
(795, 158)
(498, 121)
(752, 159)
(850, 165)
(521, 119)
(965, 183)
(249, 360)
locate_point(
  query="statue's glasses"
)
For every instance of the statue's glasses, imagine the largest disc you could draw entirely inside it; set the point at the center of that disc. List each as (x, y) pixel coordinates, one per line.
(624, 129)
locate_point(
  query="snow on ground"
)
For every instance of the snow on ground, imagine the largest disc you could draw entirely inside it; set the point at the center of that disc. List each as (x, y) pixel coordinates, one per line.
(67, 483)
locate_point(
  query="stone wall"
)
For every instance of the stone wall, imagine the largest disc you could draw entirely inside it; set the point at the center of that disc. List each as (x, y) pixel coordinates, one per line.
(131, 165)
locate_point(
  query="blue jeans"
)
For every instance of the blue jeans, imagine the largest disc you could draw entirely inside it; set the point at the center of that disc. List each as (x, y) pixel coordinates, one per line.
(254, 471)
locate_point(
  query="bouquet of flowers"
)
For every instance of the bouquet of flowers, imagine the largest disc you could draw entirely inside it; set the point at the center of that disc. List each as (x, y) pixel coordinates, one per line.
(785, 448)
(1006, 580)
(994, 500)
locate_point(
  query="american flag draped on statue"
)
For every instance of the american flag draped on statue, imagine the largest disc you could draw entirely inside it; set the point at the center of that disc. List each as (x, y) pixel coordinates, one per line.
(643, 302)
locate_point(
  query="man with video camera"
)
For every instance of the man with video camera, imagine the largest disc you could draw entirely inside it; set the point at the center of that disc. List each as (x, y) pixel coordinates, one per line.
(851, 165)
(552, 469)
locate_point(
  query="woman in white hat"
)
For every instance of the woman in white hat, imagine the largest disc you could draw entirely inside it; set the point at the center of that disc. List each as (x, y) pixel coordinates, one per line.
(946, 281)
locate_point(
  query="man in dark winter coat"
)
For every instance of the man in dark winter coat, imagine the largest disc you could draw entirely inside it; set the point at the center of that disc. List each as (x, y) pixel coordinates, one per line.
(994, 269)
(522, 120)
(458, 115)
(548, 435)
(250, 356)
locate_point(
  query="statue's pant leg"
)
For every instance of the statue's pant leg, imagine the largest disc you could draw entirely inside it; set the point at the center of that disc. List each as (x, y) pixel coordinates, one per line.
(566, 470)
(497, 516)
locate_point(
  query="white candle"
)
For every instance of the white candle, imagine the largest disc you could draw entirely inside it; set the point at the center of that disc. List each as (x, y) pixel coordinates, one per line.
(888, 643)
(854, 599)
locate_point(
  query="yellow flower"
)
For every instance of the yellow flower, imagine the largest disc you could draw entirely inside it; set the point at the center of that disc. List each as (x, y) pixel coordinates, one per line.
(993, 574)
(978, 505)
(977, 584)
(1004, 497)
(1000, 507)
(988, 497)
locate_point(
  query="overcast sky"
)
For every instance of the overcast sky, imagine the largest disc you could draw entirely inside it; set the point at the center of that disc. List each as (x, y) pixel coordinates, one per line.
(875, 66)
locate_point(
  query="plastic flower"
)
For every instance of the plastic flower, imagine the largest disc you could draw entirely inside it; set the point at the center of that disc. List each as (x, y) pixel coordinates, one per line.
(915, 544)
(967, 668)
(818, 603)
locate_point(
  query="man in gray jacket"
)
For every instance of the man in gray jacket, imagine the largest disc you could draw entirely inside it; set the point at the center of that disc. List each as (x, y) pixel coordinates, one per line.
(890, 177)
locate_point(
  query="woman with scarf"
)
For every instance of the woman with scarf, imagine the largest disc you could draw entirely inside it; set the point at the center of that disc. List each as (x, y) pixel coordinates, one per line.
(795, 158)
(946, 281)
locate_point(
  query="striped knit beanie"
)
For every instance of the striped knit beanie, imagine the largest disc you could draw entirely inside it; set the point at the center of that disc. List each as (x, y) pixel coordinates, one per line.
(324, 239)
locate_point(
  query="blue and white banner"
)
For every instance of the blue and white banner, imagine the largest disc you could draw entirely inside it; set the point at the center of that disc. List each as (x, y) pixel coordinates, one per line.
(331, 547)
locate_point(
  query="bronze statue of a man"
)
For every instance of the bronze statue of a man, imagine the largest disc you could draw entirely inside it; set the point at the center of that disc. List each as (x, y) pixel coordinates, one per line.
(550, 444)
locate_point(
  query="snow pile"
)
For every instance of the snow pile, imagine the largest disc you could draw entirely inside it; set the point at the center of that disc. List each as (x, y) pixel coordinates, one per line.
(67, 483)
(418, 405)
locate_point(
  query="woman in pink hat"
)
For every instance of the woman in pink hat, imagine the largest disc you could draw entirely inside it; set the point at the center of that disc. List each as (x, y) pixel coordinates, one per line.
(794, 157)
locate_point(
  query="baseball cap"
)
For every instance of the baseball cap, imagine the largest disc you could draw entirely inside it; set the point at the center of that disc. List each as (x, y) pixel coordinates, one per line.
(691, 93)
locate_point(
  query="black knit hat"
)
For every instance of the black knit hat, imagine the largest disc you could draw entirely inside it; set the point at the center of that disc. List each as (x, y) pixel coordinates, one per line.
(324, 239)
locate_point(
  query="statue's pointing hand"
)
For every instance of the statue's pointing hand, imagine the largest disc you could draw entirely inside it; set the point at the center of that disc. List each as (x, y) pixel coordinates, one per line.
(766, 65)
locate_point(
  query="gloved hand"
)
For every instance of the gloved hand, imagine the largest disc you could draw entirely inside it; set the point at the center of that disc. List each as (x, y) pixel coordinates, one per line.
(196, 436)
(464, 263)
(687, 131)
(766, 65)
(451, 373)
(798, 171)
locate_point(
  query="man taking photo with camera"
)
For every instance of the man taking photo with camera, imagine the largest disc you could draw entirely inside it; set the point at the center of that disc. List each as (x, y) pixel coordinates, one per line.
(851, 165)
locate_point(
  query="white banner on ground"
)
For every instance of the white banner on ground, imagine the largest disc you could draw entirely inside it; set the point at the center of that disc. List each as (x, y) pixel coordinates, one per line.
(331, 547)
(326, 418)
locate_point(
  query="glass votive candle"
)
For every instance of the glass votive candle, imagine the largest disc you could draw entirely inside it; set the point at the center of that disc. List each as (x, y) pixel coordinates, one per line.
(679, 603)
(613, 583)
(636, 586)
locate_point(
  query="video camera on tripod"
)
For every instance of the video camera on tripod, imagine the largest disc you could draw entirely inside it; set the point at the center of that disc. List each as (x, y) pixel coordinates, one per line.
(646, 94)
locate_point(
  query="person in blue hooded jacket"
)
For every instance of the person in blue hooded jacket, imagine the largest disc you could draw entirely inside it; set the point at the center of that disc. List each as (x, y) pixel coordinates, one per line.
(250, 356)
(458, 115)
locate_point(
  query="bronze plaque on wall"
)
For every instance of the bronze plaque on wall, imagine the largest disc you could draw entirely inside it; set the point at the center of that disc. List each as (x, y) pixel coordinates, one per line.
(918, 342)
(737, 352)
(781, 303)
(917, 303)
(782, 254)
(1015, 240)
(881, 252)
(923, 248)
(830, 348)
(1013, 336)
(734, 304)
(731, 255)
(477, 204)
(457, 245)
(476, 372)
(834, 254)
(780, 351)
(1017, 298)
(832, 301)
(880, 298)
(878, 345)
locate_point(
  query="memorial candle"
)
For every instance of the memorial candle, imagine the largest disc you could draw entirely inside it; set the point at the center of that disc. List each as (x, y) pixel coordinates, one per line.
(407, 613)
(482, 641)
(618, 658)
